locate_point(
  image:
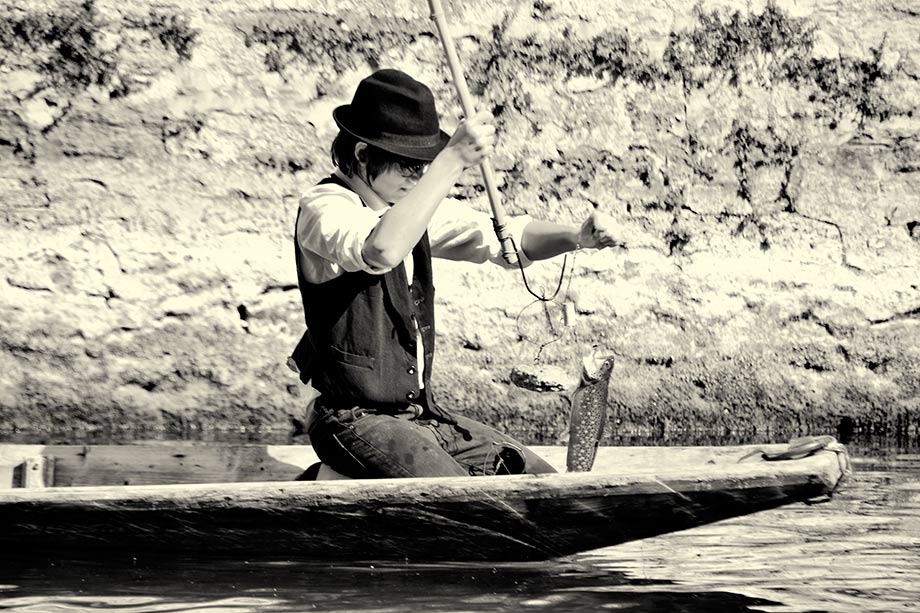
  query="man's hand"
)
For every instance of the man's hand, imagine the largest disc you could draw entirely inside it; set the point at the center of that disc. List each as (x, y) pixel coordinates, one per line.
(473, 140)
(596, 232)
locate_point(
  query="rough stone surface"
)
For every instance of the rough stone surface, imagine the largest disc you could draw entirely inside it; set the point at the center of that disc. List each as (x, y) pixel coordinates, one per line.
(761, 159)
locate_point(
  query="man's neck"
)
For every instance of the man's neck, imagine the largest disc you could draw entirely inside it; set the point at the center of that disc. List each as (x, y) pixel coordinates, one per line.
(360, 187)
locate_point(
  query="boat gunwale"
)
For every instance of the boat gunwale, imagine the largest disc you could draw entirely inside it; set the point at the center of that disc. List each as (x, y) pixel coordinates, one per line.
(824, 465)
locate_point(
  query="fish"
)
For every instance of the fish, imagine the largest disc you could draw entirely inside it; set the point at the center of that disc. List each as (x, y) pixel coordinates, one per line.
(797, 448)
(588, 414)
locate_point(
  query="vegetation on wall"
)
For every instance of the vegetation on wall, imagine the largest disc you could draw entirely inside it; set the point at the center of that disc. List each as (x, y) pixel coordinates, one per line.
(173, 31)
(731, 47)
(64, 43)
(770, 47)
(847, 85)
(320, 39)
(497, 71)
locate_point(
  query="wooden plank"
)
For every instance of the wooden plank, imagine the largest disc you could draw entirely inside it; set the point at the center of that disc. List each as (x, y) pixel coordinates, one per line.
(149, 464)
(168, 462)
(630, 460)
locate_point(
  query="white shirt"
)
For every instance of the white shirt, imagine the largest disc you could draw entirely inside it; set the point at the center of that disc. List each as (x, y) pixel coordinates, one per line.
(334, 224)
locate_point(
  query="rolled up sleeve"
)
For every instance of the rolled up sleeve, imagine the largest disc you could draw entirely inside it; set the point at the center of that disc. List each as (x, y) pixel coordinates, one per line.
(459, 232)
(334, 226)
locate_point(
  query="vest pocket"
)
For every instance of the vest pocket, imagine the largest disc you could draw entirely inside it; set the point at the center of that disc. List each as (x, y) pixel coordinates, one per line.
(353, 359)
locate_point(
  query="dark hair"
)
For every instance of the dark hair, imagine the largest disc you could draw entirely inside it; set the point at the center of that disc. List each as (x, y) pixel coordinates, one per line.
(378, 161)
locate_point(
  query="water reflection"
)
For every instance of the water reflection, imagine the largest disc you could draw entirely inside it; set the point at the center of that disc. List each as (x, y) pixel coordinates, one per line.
(148, 585)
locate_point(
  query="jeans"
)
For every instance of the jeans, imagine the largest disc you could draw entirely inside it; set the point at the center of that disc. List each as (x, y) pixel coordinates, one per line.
(410, 442)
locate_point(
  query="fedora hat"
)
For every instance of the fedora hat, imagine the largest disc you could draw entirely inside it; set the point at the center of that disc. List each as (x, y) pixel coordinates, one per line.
(394, 112)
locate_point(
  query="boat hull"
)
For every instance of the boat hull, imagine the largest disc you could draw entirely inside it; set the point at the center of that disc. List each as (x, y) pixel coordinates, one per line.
(505, 518)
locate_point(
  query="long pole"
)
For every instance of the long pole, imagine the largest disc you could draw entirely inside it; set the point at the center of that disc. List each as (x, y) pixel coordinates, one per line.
(466, 102)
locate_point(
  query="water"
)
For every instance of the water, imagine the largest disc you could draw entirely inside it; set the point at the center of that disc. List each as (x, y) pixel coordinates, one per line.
(859, 552)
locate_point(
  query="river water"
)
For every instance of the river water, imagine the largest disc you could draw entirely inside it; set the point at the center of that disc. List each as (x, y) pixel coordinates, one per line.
(858, 552)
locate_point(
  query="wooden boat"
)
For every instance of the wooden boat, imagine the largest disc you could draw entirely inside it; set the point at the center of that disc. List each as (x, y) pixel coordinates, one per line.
(202, 499)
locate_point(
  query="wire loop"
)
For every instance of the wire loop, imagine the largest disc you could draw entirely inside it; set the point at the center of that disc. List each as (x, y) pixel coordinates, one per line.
(544, 301)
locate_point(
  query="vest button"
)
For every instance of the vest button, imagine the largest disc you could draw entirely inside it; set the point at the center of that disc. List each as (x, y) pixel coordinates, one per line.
(411, 370)
(411, 395)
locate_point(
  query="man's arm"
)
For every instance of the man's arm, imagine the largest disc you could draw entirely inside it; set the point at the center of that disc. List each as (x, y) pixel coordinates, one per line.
(403, 225)
(544, 239)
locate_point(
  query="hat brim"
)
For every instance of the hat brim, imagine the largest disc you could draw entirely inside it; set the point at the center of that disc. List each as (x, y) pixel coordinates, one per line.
(391, 144)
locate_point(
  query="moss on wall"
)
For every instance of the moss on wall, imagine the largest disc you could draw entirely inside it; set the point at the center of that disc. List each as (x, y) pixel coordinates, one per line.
(65, 41)
(319, 39)
(738, 47)
(173, 31)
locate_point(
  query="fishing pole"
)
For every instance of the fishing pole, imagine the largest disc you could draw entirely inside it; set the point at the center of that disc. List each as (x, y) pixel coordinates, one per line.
(508, 247)
(509, 250)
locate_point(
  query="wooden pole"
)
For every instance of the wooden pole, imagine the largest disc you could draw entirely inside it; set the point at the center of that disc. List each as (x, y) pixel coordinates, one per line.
(466, 102)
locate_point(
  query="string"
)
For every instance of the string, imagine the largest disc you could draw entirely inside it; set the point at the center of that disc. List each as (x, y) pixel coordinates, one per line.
(542, 297)
(544, 301)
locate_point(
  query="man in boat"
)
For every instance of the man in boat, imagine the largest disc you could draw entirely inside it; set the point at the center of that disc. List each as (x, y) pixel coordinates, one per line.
(364, 239)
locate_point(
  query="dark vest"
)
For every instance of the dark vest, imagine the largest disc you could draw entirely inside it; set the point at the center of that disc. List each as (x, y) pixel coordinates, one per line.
(360, 344)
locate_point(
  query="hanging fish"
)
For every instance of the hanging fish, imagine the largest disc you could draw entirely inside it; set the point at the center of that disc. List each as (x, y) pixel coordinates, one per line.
(588, 415)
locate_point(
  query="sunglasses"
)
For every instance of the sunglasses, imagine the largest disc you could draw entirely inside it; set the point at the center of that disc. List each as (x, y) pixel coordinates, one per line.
(411, 170)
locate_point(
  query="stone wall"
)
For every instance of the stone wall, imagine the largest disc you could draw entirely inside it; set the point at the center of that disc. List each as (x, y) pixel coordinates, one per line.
(761, 160)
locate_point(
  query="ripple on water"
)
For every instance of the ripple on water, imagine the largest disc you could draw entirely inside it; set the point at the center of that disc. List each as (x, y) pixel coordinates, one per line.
(856, 553)
(131, 604)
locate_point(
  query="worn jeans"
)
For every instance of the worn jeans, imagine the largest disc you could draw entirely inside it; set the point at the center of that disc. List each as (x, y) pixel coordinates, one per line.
(410, 442)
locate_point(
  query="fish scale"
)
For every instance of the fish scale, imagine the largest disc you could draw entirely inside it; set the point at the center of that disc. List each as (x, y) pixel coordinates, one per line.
(588, 415)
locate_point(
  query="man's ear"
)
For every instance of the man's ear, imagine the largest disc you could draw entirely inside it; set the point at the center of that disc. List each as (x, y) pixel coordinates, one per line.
(361, 152)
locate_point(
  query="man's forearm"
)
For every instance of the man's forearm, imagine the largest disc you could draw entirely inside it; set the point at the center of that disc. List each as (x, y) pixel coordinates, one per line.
(403, 224)
(544, 239)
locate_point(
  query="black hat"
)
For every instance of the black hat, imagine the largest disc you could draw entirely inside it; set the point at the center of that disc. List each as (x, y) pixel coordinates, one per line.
(396, 113)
